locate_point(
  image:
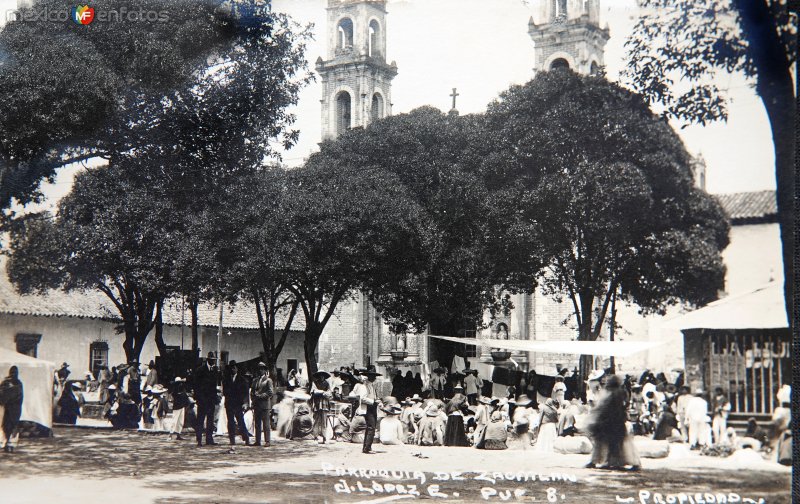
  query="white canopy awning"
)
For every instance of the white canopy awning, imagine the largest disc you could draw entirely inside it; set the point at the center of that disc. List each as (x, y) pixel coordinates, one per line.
(762, 308)
(602, 348)
(36, 376)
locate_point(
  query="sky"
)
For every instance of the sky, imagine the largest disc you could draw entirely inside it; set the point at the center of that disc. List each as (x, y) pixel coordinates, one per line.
(482, 47)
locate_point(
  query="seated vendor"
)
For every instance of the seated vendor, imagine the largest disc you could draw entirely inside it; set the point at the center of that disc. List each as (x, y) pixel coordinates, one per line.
(302, 424)
(496, 433)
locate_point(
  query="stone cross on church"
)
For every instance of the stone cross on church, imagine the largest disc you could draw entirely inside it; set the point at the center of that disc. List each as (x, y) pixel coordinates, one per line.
(454, 95)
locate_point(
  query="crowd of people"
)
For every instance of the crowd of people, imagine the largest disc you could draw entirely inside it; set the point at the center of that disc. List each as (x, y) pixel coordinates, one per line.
(447, 409)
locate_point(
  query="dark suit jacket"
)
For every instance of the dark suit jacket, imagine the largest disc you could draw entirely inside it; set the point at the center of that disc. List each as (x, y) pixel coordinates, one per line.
(205, 384)
(235, 391)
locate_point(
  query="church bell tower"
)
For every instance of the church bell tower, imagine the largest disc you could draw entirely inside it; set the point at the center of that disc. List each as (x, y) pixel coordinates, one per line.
(356, 80)
(567, 34)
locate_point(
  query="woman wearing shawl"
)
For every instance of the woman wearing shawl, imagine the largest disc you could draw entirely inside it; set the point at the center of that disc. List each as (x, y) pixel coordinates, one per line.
(292, 381)
(398, 385)
(548, 423)
(667, 423)
(302, 424)
(408, 386)
(321, 397)
(613, 448)
(69, 406)
(103, 382)
(455, 435)
(11, 402)
(358, 428)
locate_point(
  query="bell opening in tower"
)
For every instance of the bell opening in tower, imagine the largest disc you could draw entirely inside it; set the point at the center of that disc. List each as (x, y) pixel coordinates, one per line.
(343, 114)
(345, 34)
(374, 50)
(558, 10)
(377, 107)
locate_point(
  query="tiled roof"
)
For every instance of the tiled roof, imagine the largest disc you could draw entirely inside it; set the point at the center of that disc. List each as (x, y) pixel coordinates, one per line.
(749, 205)
(95, 305)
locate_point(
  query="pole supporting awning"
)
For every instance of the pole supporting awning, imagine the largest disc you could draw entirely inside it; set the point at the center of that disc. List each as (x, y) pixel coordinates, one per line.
(600, 348)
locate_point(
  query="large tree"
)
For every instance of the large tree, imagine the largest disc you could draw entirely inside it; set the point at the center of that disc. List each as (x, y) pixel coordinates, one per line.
(467, 251)
(206, 142)
(607, 189)
(188, 149)
(102, 239)
(254, 265)
(346, 230)
(678, 47)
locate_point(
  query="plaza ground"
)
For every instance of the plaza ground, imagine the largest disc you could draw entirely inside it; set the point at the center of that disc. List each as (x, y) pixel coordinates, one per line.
(114, 467)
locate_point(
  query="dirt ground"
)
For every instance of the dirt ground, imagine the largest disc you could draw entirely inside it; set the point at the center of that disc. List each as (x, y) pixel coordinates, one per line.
(115, 467)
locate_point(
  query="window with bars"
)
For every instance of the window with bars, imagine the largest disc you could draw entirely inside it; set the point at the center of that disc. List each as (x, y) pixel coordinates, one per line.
(98, 356)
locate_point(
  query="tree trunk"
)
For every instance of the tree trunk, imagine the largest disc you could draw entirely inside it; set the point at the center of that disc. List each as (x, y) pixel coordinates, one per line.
(586, 362)
(312, 335)
(774, 85)
(159, 336)
(778, 101)
(193, 308)
(130, 338)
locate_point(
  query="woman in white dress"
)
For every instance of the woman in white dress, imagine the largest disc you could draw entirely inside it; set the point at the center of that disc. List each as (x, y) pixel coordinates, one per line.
(548, 423)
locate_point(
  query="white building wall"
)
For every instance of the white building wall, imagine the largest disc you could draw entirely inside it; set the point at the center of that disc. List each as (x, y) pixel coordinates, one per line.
(753, 257)
(67, 339)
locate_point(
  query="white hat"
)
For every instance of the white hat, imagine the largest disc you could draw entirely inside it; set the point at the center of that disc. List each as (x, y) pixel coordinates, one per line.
(595, 375)
(178, 379)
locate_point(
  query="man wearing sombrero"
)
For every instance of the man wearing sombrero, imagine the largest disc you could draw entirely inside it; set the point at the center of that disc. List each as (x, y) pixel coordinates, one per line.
(367, 405)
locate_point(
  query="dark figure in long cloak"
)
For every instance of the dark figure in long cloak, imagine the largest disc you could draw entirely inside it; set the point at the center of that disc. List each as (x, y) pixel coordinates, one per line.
(11, 400)
(408, 385)
(69, 407)
(613, 448)
(398, 386)
(418, 385)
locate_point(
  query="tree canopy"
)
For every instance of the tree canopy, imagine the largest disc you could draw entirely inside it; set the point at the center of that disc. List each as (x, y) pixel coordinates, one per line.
(108, 236)
(462, 258)
(68, 89)
(180, 155)
(349, 229)
(607, 190)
